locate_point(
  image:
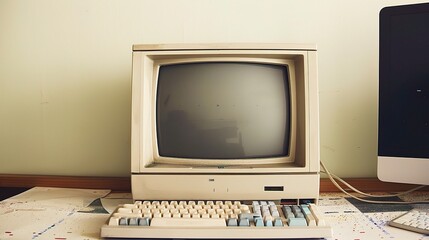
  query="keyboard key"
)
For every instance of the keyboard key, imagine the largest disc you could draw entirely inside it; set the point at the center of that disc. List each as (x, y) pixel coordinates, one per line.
(244, 207)
(114, 221)
(275, 213)
(188, 222)
(133, 222)
(123, 221)
(297, 222)
(259, 222)
(278, 222)
(244, 222)
(232, 222)
(144, 221)
(287, 211)
(311, 221)
(124, 210)
(268, 223)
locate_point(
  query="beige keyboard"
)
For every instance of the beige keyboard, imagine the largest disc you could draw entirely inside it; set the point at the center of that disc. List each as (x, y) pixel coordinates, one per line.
(216, 219)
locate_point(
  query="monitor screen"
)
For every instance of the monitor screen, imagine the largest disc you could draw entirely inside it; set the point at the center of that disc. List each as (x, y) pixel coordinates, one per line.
(223, 110)
(404, 86)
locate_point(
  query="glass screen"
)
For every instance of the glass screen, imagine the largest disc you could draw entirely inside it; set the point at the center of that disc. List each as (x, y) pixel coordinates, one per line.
(223, 110)
(404, 85)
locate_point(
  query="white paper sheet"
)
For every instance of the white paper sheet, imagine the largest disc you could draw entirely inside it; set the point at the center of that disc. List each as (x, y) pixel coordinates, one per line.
(38, 212)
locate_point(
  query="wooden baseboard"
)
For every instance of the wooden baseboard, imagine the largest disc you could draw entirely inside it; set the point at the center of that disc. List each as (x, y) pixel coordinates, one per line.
(123, 184)
(367, 185)
(120, 184)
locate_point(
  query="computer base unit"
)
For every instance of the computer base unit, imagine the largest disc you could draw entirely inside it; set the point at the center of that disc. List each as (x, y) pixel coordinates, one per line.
(225, 186)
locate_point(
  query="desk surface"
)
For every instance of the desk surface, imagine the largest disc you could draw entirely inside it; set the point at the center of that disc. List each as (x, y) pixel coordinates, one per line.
(55, 213)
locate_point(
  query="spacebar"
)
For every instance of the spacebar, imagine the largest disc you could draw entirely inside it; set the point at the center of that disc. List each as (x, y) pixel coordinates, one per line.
(188, 222)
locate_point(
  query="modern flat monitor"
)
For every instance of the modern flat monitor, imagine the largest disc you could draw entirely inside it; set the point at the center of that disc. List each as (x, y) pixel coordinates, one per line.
(225, 121)
(403, 121)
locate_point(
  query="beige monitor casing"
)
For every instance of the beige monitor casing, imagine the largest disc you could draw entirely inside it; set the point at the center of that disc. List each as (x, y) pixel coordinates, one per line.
(159, 178)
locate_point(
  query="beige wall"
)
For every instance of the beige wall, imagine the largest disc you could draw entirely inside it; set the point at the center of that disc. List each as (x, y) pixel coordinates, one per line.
(65, 73)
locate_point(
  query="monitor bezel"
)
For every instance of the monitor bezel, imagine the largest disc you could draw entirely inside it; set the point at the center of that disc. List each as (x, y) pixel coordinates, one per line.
(307, 147)
(289, 64)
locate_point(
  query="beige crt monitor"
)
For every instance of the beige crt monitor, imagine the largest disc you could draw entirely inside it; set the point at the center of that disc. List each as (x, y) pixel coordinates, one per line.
(225, 122)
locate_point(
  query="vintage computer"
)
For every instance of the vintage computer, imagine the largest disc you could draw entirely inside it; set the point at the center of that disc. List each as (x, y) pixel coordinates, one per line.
(225, 143)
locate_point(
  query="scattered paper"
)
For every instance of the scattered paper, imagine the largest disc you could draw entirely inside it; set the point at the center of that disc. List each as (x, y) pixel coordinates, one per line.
(36, 213)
